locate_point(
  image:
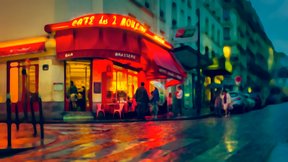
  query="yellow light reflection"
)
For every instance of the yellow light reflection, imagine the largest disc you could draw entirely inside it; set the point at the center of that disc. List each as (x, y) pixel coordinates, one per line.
(228, 66)
(231, 145)
(230, 136)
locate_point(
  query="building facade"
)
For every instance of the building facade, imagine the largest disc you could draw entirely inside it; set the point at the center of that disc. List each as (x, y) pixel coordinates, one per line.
(251, 51)
(229, 43)
(106, 50)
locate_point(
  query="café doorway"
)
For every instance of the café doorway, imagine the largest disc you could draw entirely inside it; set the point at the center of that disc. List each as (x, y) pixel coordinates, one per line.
(78, 72)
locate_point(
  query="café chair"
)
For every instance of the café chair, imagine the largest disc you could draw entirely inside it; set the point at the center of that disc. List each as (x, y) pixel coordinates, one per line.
(100, 109)
(119, 110)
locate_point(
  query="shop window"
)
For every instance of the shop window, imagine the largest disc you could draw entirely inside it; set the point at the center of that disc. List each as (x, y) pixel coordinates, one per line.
(123, 84)
(22, 70)
(14, 84)
(218, 79)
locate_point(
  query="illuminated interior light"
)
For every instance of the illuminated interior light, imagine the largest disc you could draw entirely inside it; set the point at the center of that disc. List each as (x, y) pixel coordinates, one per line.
(227, 52)
(228, 66)
(249, 89)
(187, 94)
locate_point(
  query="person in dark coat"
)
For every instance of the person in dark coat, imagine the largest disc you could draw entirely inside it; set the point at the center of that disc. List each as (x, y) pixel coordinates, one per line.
(72, 94)
(142, 100)
(82, 99)
(155, 102)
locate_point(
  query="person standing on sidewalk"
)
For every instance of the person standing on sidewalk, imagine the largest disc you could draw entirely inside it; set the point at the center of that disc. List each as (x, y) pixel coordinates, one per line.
(226, 101)
(218, 104)
(169, 104)
(155, 102)
(142, 99)
(179, 96)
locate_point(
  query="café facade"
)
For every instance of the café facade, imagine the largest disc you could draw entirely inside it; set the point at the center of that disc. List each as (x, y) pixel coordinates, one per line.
(107, 56)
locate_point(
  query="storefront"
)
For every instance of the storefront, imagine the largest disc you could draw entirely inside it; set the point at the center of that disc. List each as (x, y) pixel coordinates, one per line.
(107, 56)
(20, 64)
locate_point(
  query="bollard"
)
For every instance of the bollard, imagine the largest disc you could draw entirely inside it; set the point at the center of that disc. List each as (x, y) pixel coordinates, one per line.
(41, 117)
(8, 120)
(33, 115)
(17, 122)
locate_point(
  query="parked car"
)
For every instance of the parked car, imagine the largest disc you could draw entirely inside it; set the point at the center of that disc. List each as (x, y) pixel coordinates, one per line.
(250, 101)
(239, 102)
(258, 102)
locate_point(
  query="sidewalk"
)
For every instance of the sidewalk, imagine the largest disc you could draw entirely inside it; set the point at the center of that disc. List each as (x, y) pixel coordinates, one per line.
(21, 140)
(188, 114)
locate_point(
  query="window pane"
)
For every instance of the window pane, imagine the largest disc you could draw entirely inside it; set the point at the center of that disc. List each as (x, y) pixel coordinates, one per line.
(14, 77)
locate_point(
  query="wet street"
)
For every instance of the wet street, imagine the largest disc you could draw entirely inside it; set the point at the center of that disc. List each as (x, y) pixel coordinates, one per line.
(257, 136)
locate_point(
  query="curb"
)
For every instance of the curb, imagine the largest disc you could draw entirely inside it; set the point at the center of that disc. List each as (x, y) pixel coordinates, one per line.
(127, 120)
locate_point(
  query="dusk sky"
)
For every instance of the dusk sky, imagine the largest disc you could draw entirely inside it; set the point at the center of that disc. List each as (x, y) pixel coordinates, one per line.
(274, 17)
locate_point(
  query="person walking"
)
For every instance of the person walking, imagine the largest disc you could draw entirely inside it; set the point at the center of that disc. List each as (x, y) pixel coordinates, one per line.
(169, 104)
(218, 105)
(179, 96)
(226, 101)
(155, 102)
(142, 100)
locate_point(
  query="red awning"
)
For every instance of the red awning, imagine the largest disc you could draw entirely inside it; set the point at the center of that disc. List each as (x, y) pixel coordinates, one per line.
(87, 43)
(171, 83)
(22, 49)
(162, 61)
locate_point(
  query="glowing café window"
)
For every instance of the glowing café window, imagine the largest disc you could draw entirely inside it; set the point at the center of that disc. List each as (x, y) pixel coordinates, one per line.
(218, 79)
(124, 83)
(14, 77)
(207, 81)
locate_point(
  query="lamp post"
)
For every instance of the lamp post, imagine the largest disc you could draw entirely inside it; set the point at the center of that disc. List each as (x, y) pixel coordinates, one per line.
(198, 81)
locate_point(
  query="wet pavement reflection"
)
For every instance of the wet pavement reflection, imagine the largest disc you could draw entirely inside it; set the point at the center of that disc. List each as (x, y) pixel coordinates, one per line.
(255, 136)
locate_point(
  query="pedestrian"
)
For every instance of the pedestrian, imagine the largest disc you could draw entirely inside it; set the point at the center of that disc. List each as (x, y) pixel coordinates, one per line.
(155, 102)
(129, 103)
(82, 99)
(72, 95)
(226, 101)
(218, 104)
(142, 100)
(169, 104)
(179, 96)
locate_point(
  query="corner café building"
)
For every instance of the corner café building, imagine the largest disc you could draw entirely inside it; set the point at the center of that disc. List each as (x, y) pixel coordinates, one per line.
(107, 56)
